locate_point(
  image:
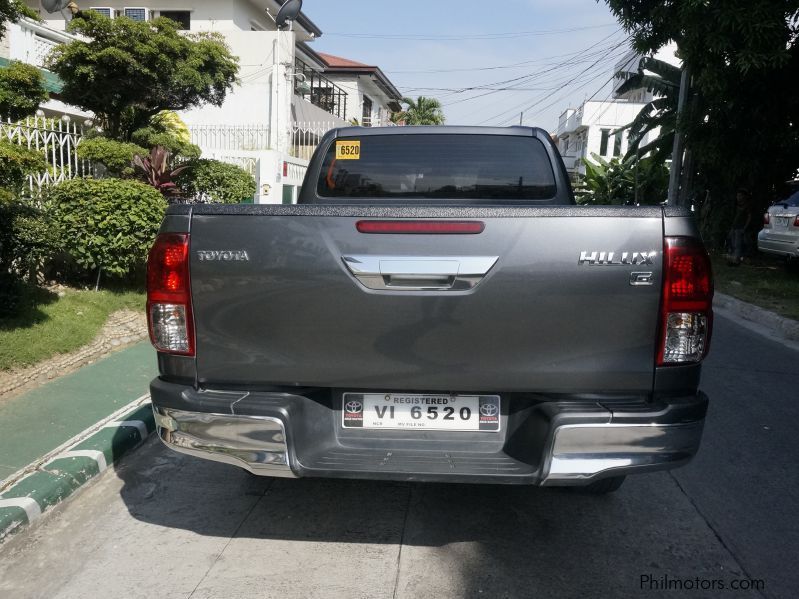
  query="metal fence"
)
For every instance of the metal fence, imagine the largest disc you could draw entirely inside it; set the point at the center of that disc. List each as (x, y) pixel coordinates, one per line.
(305, 137)
(57, 140)
(230, 137)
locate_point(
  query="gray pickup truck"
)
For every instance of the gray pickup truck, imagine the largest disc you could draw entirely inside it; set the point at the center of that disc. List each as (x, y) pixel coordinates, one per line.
(435, 308)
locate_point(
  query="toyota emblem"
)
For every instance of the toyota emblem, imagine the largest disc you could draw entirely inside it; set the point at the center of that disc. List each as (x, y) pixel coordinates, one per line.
(489, 409)
(353, 407)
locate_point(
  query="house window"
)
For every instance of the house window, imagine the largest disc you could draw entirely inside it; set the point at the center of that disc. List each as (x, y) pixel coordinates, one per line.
(136, 14)
(367, 111)
(182, 17)
(603, 144)
(103, 10)
(617, 143)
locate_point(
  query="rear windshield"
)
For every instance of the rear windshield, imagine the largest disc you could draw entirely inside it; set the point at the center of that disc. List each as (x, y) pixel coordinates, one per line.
(437, 166)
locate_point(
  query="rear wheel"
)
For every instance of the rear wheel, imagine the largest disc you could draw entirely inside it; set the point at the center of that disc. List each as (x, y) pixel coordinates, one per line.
(602, 487)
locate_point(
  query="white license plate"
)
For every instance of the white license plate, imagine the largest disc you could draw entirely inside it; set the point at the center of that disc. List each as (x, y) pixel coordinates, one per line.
(782, 221)
(393, 411)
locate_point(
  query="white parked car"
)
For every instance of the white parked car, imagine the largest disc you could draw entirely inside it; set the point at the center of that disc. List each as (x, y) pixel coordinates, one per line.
(780, 234)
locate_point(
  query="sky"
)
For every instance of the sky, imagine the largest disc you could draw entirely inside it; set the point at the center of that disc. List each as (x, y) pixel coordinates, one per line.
(536, 56)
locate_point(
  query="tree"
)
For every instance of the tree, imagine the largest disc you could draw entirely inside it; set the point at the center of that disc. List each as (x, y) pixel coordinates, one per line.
(662, 79)
(128, 71)
(11, 11)
(422, 111)
(21, 90)
(741, 119)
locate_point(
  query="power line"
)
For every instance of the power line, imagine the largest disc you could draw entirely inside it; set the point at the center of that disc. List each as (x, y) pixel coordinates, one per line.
(527, 108)
(470, 37)
(566, 65)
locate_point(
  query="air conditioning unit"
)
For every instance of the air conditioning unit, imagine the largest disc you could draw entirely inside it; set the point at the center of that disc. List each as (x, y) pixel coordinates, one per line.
(137, 13)
(104, 10)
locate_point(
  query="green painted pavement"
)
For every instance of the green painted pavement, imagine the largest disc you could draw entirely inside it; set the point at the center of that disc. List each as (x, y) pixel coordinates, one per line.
(37, 422)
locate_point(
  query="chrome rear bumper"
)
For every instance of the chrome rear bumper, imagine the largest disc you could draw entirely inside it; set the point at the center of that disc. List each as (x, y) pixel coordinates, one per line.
(573, 453)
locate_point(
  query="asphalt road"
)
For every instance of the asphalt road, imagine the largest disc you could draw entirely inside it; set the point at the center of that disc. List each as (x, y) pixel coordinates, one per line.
(164, 525)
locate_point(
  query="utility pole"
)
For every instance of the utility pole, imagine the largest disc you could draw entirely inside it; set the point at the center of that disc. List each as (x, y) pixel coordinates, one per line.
(521, 119)
(679, 141)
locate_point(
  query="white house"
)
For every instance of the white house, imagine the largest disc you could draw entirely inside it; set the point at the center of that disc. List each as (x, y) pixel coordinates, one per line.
(283, 102)
(371, 97)
(598, 127)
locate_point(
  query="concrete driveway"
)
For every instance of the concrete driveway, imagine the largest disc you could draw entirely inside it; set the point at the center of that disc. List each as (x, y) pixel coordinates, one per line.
(164, 525)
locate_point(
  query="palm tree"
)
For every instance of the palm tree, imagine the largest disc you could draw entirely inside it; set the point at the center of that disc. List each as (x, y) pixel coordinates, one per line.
(662, 79)
(422, 111)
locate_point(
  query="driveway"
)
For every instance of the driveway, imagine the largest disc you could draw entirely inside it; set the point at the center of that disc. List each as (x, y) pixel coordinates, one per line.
(165, 525)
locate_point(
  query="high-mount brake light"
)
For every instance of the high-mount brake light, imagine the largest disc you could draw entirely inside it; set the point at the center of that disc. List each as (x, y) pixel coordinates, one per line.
(687, 302)
(420, 227)
(169, 313)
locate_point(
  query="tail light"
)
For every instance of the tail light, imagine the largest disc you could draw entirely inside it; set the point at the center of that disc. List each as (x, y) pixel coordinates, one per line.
(687, 303)
(796, 222)
(169, 314)
(766, 219)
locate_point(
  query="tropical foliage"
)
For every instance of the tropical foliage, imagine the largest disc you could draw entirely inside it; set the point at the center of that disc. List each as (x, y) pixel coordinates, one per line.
(615, 181)
(157, 172)
(128, 71)
(422, 111)
(663, 80)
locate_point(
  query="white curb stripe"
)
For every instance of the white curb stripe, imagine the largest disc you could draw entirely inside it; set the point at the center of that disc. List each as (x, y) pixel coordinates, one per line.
(79, 438)
(97, 456)
(138, 424)
(32, 509)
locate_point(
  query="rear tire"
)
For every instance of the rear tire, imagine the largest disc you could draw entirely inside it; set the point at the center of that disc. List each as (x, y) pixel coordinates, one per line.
(602, 487)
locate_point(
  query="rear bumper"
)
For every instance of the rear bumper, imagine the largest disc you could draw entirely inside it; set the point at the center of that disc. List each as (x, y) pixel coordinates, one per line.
(543, 443)
(767, 243)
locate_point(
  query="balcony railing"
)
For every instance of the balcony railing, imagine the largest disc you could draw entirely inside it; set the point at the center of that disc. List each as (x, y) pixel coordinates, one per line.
(32, 42)
(321, 91)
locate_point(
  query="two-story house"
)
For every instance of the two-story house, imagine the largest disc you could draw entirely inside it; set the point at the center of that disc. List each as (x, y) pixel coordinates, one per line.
(284, 100)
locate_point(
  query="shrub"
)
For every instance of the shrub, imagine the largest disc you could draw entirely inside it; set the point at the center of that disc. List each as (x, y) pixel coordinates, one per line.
(167, 129)
(115, 156)
(215, 181)
(21, 90)
(107, 223)
(16, 163)
(27, 237)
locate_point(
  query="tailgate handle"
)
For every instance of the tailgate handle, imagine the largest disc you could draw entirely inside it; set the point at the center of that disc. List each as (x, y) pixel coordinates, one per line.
(427, 273)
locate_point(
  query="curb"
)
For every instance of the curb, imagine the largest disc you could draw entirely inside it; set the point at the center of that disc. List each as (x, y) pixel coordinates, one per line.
(776, 326)
(48, 482)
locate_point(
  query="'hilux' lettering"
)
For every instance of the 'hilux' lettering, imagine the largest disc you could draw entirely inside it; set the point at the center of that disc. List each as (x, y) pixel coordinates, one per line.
(618, 258)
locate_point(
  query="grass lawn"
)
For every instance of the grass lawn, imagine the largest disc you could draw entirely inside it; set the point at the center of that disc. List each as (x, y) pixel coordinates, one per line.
(44, 324)
(760, 280)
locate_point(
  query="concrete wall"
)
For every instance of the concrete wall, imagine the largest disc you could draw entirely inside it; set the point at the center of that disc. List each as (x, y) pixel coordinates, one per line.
(250, 100)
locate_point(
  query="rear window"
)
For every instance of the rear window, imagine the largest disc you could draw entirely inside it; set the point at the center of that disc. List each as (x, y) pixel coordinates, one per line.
(441, 167)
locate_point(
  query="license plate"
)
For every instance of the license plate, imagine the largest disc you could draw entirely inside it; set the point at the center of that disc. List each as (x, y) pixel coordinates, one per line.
(392, 411)
(782, 220)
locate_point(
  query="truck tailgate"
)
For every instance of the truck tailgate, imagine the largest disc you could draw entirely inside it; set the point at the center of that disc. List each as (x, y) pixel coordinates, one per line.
(539, 320)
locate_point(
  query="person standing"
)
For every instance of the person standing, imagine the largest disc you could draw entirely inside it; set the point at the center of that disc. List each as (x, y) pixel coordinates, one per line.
(741, 224)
